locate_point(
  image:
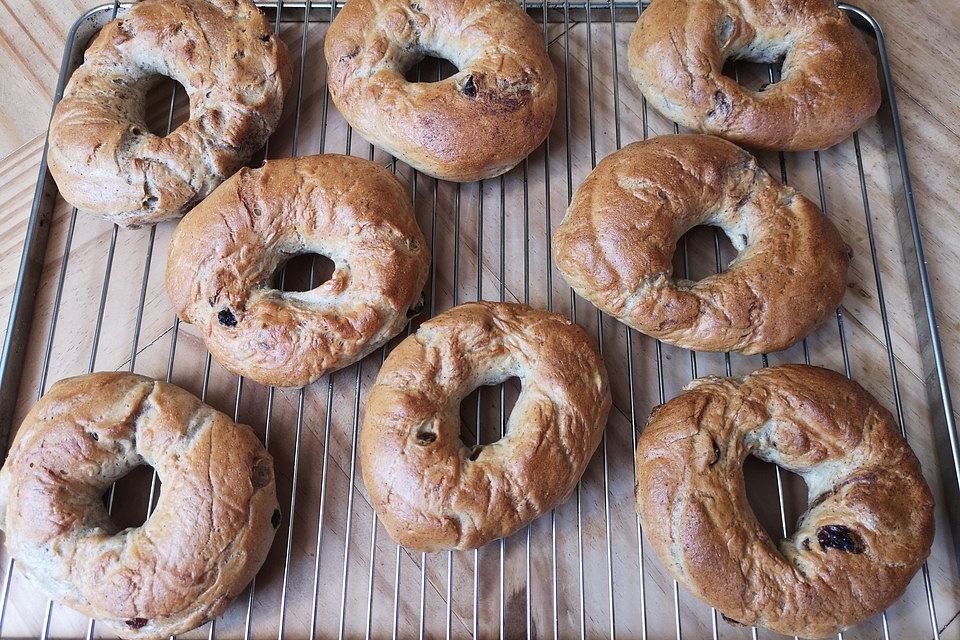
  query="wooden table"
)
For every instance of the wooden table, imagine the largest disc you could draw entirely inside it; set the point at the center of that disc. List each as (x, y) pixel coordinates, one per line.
(924, 41)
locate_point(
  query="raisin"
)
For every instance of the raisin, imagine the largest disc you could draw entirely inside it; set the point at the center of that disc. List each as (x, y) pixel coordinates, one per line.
(416, 309)
(94, 436)
(227, 318)
(275, 518)
(716, 454)
(731, 620)
(469, 88)
(426, 437)
(137, 623)
(840, 537)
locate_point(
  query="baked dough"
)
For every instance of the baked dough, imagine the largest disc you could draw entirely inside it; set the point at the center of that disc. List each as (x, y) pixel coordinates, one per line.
(235, 72)
(867, 531)
(828, 88)
(224, 253)
(616, 243)
(214, 520)
(431, 490)
(476, 124)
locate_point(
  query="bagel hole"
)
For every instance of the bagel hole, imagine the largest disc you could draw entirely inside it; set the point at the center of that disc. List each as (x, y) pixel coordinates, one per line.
(760, 479)
(754, 76)
(430, 69)
(157, 106)
(490, 410)
(295, 273)
(130, 496)
(702, 256)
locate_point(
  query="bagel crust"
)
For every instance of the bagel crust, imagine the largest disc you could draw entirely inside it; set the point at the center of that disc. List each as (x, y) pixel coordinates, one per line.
(236, 73)
(869, 527)
(430, 490)
(212, 527)
(476, 124)
(828, 86)
(616, 243)
(224, 253)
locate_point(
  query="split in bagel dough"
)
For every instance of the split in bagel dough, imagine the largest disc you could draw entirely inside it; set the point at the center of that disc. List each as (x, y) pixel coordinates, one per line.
(211, 529)
(236, 72)
(430, 490)
(476, 124)
(828, 86)
(868, 528)
(616, 243)
(224, 253)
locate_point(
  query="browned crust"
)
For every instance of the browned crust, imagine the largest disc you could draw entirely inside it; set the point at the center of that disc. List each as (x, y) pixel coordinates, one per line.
(860, 472)
(236, 73)
(426, 489)
(615, 247)
(224, 253)
(205, 541)
(829, 84)
(445, 129)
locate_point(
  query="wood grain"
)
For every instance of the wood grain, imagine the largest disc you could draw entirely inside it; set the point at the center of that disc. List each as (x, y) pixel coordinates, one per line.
(924, 39)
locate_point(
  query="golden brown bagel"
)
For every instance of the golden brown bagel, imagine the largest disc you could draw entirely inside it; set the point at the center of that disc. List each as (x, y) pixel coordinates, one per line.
(224, 253)
(432, 491)
(476, 124)
(867, 531)
(616, 243)
(828, 87)
(235, 72)
(212, 527)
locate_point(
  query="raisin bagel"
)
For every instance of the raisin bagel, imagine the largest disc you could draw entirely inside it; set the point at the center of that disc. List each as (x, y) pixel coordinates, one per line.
(235, 72)
(476, 124)
(224, 253)
(430, 490)
(867, 530)
(212, 527)
(615, 247)
(827, 89)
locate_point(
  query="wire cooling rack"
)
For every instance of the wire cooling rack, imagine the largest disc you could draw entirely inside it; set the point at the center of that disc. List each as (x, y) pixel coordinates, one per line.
(582, 570)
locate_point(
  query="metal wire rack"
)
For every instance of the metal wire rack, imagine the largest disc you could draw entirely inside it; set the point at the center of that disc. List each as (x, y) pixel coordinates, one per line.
(583, 569)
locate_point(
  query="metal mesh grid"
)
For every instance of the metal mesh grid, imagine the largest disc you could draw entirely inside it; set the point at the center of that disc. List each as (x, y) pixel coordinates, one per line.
(582, 570)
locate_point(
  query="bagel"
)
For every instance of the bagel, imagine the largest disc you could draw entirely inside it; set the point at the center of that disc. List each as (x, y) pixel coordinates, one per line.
(828, 86)
(212, 527)
(224, 253)
(235, 72)
(868, 528)
(430, 490)
(616, 242)
(476, 124)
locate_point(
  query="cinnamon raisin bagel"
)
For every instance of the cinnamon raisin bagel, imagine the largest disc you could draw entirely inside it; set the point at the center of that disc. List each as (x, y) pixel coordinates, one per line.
(431, 490)
(212, 527)
(235, 72)
(868, 528)
(224, 253)
(616, 243)
(827, 89)
(476, 124)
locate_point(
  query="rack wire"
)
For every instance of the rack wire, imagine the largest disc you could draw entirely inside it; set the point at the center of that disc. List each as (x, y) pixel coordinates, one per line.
(583, 570)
